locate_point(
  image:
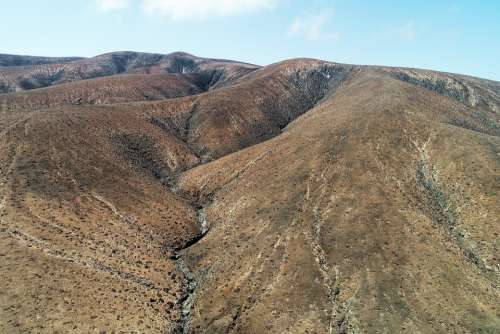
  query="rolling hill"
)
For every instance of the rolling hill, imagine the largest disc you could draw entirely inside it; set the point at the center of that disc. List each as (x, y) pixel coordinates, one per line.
(176, 194)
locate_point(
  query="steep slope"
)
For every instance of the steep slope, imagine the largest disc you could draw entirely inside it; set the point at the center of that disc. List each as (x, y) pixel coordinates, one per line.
(305, 196)
(257, 107)
(371, 213)
(214, 123)
(468, 90)
(86, 195)
(217, 72)
(86, 237)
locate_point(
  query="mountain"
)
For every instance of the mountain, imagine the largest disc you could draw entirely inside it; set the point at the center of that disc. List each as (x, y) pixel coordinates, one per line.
(16, 60)
(35, 74)
(177, 194)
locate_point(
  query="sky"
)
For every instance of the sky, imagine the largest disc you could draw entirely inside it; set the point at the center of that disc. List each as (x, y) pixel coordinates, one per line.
(446, 35)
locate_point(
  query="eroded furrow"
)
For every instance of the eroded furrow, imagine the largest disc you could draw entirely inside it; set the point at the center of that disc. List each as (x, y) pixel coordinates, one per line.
(312, 204)
(443, 213)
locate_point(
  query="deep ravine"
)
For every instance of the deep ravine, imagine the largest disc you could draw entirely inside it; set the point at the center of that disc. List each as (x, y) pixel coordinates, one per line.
(190, 284)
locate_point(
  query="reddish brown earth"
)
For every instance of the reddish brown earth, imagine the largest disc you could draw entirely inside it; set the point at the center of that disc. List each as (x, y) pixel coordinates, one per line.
(175, 194)
(35, 73)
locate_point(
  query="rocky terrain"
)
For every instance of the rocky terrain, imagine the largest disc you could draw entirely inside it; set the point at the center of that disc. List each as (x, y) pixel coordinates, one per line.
(154, 193)
(16, 60)
(30, 73)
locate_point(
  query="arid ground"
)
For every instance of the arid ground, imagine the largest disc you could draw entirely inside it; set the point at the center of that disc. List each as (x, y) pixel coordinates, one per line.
(148, 193)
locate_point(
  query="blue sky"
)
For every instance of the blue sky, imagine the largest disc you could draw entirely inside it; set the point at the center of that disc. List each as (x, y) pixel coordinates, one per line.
(454, 36)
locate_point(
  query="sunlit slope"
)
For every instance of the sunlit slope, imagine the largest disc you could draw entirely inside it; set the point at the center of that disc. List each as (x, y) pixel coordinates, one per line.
(300, 196)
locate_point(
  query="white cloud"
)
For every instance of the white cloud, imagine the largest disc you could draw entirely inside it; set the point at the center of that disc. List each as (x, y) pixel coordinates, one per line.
(108, 5)
(202, 9)
(312, 27)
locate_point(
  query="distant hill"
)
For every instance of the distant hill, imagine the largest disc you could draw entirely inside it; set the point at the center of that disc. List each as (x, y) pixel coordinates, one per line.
(40, 74)
(16, 60)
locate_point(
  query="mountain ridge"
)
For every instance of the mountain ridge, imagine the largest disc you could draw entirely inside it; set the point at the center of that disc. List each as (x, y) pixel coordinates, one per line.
(42, 75)
(302, 196)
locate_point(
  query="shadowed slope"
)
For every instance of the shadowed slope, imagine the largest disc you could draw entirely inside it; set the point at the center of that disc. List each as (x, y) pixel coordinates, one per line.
(253, 109)
(480, 94)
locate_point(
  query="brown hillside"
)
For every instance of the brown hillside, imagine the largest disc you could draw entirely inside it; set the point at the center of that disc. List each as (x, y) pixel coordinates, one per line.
(301, 197)
(105, 90)
(17, 60)
(27, 77)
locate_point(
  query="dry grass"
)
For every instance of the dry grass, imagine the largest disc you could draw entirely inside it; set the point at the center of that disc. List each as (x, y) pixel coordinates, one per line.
(338, 199)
